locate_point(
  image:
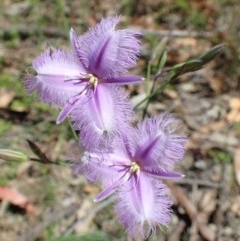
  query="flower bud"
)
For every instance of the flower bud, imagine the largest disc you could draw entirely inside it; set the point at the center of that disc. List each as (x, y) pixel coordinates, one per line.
(10, 155)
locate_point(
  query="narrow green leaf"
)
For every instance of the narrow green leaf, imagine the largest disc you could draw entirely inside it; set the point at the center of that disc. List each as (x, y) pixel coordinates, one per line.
(158, 52)
(163, 60)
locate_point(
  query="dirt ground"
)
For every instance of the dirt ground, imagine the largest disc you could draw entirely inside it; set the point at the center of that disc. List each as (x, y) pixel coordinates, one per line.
(48, 202)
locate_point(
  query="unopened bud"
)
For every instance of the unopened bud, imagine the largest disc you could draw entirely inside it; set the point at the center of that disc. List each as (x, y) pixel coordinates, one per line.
(10, 155)
(212, 53)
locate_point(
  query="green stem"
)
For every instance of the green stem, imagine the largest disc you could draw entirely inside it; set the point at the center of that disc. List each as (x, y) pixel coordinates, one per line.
(151, 95)
(72, 130)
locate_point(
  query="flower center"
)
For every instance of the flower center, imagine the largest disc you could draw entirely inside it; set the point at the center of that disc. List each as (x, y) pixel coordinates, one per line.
(93, 81)
(134, 167)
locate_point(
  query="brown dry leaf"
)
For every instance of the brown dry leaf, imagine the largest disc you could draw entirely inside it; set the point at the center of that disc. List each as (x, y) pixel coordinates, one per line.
(237, 164)
(234, 114)
(16, 198)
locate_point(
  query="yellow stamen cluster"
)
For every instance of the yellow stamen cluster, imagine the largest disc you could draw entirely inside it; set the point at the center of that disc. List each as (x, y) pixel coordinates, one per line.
(93, 81)
(134, 167)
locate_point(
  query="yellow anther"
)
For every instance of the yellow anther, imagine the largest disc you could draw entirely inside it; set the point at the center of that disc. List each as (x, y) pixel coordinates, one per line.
(134, 167)
(93, 81)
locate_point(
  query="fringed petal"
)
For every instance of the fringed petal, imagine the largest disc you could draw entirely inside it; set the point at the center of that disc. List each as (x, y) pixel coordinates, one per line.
(107, 52)
(87, 45)
(97, 168)
(157, 146)
(58, 76)
(141, 205)
(103, 116)
(128, 48)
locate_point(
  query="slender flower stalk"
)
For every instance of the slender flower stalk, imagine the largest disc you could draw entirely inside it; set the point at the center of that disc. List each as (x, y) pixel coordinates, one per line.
(88, 75)
(133, 171)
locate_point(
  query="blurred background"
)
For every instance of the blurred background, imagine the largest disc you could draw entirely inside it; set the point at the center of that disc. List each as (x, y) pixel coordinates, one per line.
(46, 202)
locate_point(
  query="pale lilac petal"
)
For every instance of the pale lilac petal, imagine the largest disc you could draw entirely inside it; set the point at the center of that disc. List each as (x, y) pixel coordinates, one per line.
(97, 168)
(104, 166)
(146, 150)
(104, 115)
(127, 79)
(128, 51)
(157, 146)
(142, 204)
(58, 73)
(114, 54)
(119, 156)
(86, 45)
(107, 52)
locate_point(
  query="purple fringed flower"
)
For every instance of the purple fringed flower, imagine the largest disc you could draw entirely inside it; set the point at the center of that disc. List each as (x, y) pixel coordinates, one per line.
(134, 169)
(88, 75)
